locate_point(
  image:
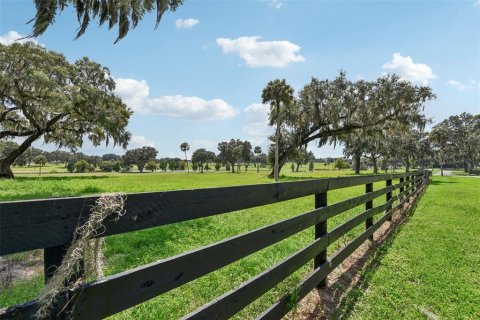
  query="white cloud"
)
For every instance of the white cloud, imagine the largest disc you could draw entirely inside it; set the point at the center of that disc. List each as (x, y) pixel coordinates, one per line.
(461, 86)
(13, 36)
(408, 70)
(277, 4)
(255, 53)
(186, 23)
(133, 92)
(256, 123)
(190, 108)
(136, 94)
(456, 84)
(140, 141)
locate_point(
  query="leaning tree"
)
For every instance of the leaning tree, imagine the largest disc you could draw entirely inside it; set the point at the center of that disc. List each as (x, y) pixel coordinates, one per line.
(43, 96)
(124, 14)
(325, 110)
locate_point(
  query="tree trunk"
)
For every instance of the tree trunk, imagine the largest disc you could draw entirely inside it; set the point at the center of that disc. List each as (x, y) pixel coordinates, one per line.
(186, 160)
(233, 167)
(277, 138)
(5, 163)
(441, 169)
(465, 165)
(357, 164)
(298, 166)
(407, 166)
(375, 166)
(258, 167)
(5, 170)
(281, 160)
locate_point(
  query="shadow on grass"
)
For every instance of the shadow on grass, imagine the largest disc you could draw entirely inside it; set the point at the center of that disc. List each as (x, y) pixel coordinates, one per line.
(338, 300)
(438, 182)
(61, 178)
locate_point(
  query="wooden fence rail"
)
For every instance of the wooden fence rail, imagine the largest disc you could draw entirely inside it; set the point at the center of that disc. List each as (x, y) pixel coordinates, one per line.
(49, 224)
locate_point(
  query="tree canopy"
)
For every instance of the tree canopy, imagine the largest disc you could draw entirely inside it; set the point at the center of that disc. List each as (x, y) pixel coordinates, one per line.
(124, 14)
(139, 157)
(325, 110)
(42, 95)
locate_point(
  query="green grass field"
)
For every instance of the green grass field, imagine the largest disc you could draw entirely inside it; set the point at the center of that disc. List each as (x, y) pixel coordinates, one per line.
(130, 250)
(430, 268)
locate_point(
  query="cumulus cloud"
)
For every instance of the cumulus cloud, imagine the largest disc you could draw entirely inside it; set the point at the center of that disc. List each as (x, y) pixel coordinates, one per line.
(133, 92)
(136, 94)
(255, 53)
(408, 70)
(13, 36)
(140, 141)
(256, 123)
(186, 23)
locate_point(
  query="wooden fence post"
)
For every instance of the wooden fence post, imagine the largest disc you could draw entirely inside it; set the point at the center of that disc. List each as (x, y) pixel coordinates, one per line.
(407, 195)
(52, 259)
(388, 197)
(402, 180)
(369, 205)
(320, 230)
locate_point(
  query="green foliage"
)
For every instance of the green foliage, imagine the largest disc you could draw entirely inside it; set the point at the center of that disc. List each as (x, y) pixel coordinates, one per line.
(201, 156)
(341, 163)
(279, 95)
(139, 157)
(326, 110)
(124, 14)
(40, 160)
(163, 165)
(151, 166)
(45, 96)
(70, 167)
(81, 166)
(110, 166)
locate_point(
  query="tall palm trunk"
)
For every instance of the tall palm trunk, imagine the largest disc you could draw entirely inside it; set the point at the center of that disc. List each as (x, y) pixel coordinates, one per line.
(186, 160)
(277, 138)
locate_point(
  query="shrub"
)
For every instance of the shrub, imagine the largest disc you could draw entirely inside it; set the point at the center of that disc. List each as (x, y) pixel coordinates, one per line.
(81, 166)
(151, 166)
(217, 166)
(70, 167)
(311, 166)
(341, 163)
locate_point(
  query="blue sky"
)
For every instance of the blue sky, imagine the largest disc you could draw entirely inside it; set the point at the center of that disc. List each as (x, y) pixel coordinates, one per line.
(199, 76)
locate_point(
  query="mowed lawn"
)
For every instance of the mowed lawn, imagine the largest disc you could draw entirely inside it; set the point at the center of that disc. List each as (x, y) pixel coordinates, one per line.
(431, 268)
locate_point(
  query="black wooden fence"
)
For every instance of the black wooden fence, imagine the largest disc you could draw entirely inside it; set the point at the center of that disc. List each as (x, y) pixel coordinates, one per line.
(49, 224)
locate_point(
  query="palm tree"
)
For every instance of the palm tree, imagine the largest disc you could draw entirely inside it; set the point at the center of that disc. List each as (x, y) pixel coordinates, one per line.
(184, 147)
(257, 151)
(280, 96)
(125, 14)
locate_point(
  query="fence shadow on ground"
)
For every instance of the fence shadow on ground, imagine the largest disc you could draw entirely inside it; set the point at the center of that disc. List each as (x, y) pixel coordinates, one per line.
(338, 299)
(371, 260)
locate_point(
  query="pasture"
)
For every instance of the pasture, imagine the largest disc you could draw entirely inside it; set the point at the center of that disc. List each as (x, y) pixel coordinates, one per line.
(134, 249)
